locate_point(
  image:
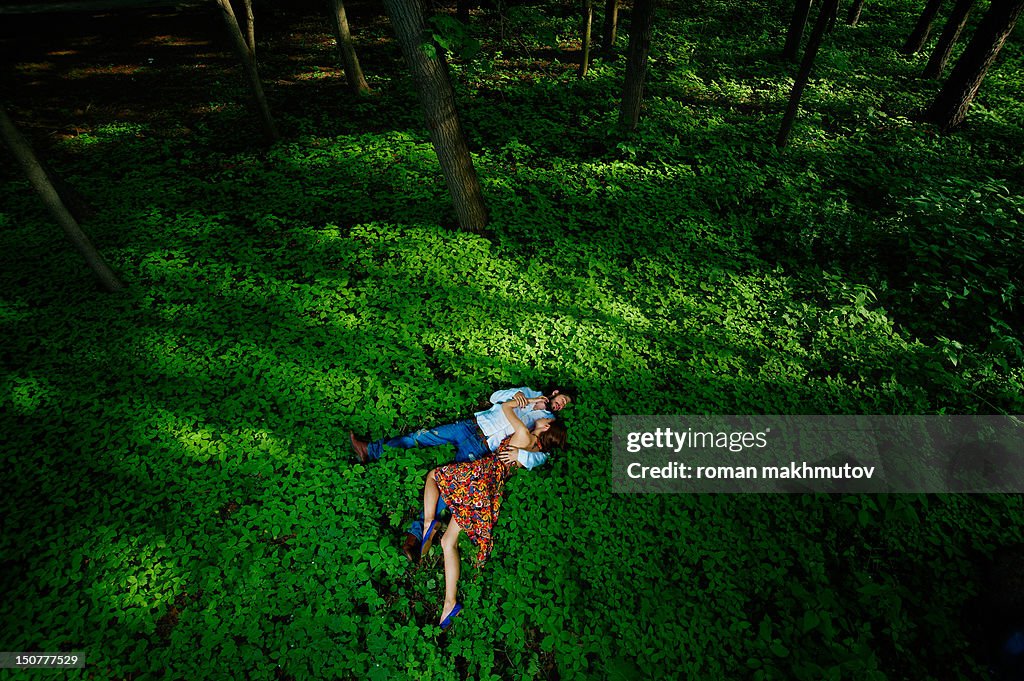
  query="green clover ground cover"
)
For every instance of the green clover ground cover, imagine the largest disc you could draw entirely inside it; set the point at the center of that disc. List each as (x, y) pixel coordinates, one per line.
(178, 496)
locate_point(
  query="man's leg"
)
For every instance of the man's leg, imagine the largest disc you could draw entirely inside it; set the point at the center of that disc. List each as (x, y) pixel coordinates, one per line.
(448, 434)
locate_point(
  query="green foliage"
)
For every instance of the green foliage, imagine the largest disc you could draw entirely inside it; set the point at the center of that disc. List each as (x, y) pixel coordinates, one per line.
(179, 495)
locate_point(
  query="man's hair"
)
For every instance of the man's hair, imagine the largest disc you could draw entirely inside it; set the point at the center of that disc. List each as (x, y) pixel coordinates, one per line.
(554, 437)
(563, 389)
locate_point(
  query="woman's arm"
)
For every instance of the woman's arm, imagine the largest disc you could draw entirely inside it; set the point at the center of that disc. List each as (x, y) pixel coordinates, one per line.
(521, 435)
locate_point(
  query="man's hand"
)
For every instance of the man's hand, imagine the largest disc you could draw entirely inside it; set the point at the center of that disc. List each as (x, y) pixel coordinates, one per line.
(520, 399)
(510, 456)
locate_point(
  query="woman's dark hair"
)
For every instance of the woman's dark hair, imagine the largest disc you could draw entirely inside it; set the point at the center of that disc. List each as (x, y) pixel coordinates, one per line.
(553, 438)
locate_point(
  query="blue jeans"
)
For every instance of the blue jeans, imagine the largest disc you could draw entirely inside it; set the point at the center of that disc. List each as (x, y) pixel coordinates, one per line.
(464, 435)
(468, 447)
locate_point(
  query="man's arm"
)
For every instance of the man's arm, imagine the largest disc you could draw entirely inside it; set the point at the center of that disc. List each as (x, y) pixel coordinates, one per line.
(499, 396)
(531, 460)
(524, 457)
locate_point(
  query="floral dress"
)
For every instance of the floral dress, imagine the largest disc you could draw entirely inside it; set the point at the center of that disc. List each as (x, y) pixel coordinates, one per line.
(473, 492)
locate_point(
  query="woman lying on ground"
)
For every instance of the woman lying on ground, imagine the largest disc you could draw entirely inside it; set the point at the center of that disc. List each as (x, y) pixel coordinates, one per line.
(473, 492)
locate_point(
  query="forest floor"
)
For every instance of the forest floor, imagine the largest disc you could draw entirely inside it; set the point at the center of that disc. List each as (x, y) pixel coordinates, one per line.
(181, 446)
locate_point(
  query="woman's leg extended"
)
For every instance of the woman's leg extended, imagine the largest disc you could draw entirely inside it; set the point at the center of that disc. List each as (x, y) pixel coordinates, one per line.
(452, 566)
(431, 493)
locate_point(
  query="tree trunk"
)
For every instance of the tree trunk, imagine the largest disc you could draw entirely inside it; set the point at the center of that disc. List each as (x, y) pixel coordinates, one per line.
(828, 10)
(462, 8)
(950, 32)
(250, 28)
(249, 64)
(71, 197)
(854, 15)
(353, 72)
(438, 100)
(636, 63)
(588, 22)
(951, 104)
(611, 25)
(918, 37)
(796, 29)
(22, 151)
(831, 24)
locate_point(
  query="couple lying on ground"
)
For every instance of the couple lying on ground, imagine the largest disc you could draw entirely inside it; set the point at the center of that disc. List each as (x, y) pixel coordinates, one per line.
(518, 431)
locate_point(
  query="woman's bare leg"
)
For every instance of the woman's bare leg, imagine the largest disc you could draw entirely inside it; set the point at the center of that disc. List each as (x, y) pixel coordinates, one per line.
(431, 493)
(452, 566)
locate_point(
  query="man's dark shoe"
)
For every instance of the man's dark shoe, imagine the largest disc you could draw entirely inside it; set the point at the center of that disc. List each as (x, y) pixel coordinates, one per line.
(360, 448)
(411, 547)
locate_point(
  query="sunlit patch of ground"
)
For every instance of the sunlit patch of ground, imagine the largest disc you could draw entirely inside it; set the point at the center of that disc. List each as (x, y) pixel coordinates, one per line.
(109, 70)
(30, 68)
(174, 41)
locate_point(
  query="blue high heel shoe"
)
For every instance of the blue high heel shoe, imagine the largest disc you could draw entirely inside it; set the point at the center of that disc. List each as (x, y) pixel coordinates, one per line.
(425, 544)
(447, 621)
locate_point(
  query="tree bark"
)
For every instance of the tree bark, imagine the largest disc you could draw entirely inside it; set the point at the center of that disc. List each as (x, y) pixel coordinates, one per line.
(828, 10)
(250, 28)
(22, 151)
(853, 17)
(636, 63)
(796, 29)
(950, 33)
(588, 22)
(438, 100)
(349, 60)
(918, 37)
(611, 25)
(954, 99)
(249, 65)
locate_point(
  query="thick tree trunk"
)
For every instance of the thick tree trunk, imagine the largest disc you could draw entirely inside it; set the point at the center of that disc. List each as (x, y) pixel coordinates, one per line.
(22, 151)
(954, 26)
(588, 22)
(250, 28)
(827, 12)
(353, 72)
(951, 104)
(611, 25)
(918, 37)
(438, 100)
(71, 197)
(853, 17)
(636, 64)
(249, 64)
(796, 29)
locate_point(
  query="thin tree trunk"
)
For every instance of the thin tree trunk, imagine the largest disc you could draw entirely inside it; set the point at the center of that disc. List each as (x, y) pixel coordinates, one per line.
(249, 65)
(462, 8)
(353, 72)
(250, 28)
(853, 17)
(951, 104)
(588, 22)
(832, 20)
(22, 151)
(828, 10)
(796, 29)
(640, 23)
(438, 100)
(950, 32)
(918, 37)
(611, 25)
